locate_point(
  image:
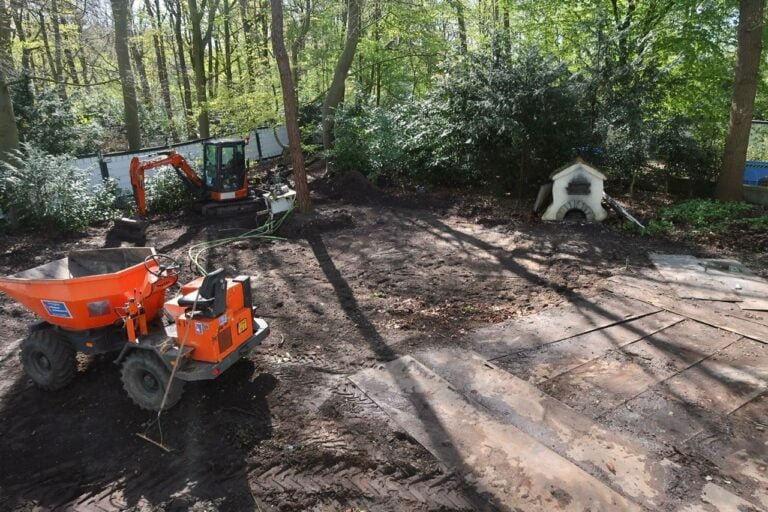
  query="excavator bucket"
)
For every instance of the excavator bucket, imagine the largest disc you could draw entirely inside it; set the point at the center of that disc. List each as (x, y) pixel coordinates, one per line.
(134, 230)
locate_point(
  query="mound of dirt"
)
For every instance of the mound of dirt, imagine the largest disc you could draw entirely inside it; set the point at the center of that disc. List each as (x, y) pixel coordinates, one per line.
(352, 187)
(299, 225)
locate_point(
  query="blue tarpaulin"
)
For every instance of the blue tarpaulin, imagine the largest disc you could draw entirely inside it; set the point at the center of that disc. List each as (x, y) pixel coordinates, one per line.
(754, 171)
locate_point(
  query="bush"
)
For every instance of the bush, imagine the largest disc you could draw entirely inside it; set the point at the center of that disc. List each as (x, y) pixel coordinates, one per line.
(706, 214)
(40, 190)
(166, 192)
(505, 122)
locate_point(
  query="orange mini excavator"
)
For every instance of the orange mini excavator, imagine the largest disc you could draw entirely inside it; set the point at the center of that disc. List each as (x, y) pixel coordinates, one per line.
(222, 186)
(113, 300)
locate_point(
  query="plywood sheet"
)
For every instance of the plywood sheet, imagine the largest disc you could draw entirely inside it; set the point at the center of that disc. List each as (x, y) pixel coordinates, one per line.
(556, 324)
(713, 279)
(625, 464)
(500, 460)
(547, 362)
(599, 386)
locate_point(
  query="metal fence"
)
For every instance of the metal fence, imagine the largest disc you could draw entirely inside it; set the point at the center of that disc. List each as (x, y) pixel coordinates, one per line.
(262, 144)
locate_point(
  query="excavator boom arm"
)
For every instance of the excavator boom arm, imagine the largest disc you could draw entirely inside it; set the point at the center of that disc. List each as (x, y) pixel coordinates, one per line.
(175, 160)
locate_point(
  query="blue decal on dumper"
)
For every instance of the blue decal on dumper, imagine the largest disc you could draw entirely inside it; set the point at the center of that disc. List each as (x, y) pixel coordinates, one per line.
(56, 308)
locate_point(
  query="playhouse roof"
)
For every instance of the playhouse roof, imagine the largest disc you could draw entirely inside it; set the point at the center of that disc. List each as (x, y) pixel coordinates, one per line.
(576, 165)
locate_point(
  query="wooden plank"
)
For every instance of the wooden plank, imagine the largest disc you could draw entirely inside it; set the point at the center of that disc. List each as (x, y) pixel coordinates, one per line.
(622, 462)
(718, 499)
(740, 451)
(690, 279)
(547, 362)
(653, 293)
(500, 460)
(713, 279)
(725, 381)
(699, 398)
(556, 324)
(608, 381)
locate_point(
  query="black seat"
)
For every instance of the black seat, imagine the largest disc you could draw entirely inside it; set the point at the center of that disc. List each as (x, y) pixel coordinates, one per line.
(210, 300)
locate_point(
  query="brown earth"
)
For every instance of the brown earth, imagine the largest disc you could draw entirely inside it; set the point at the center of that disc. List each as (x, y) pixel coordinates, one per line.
(364, 279)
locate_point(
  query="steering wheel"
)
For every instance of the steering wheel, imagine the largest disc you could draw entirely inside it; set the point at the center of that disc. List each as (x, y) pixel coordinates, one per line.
(166, 266)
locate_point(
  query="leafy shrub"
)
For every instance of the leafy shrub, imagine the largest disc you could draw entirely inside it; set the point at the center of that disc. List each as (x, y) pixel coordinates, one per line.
(40, 190)
(507, 122)
(166, 192)
(705, 214)
(369, 140)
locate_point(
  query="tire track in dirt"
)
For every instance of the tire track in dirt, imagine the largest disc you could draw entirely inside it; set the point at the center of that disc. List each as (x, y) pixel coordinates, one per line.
(434, 492)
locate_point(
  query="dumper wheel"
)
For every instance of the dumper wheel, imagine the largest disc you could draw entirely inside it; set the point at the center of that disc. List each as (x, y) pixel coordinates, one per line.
(145, 379)
(48, 359)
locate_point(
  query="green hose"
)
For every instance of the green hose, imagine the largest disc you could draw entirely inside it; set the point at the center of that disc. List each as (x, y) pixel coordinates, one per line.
(263, 232)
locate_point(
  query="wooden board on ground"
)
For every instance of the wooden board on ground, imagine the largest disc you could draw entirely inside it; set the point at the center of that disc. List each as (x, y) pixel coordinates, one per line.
(640, 287)
(542, 363)
(713, 279)
(699, 398)
(581, 316)
(690, 279)
(739, 449)
(606, 382)
(517, 471)
(622, 462)
(718, 499)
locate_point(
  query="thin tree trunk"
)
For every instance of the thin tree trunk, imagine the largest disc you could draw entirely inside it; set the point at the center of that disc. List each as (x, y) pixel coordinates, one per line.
(9, 135)
(199, 42)
(291, 110)
(730, 185)
(248, 35)
(459, 6)
(227, 45)
(335, 94)
(138, 60)
(174, 6)
(298, 44)
(162, 65)
(131, 108)
(58, 71)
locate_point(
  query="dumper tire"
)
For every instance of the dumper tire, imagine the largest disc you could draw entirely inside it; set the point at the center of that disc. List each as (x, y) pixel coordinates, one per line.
(48, 359)
(145, 379)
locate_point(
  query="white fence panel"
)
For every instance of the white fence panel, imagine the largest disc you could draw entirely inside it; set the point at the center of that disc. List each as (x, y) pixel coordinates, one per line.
(262, 144)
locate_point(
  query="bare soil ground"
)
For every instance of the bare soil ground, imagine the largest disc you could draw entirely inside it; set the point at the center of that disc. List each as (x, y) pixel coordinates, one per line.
(364, 279)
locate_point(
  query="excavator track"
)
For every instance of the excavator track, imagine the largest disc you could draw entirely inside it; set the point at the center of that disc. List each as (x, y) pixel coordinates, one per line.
(235, 207)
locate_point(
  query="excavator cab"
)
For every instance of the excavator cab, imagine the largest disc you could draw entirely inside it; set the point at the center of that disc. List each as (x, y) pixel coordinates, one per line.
(224, 169)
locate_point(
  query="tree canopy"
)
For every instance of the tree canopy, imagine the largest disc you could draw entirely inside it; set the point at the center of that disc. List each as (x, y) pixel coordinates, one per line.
(511, 87)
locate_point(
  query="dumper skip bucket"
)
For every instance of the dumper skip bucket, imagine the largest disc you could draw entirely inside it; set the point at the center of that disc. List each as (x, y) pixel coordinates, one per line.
(84, 290)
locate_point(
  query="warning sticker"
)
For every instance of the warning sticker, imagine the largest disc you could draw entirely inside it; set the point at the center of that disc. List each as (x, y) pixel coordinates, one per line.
(200, 327)
(56, 308)
(242, 325)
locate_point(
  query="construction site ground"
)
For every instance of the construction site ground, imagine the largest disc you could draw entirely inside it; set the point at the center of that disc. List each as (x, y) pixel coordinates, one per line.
(426, 354)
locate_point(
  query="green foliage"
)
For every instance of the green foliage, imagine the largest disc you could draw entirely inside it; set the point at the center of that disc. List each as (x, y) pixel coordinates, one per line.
(704, 214)
(369, 139)
(166, 192)
(44, 191)
(507, 123)
(50, 123)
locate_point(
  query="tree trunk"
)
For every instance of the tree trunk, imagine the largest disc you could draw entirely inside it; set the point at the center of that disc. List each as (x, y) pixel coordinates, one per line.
(174, 6)
(227, 45)
(199, 42)
(291, 110)
(298, 44)
(730, 185)
(9, 135)
(138, 60)
(131, 108)
(248, 35)
(162, 66)
(462, 25)
(58, 72)
(335, 94)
